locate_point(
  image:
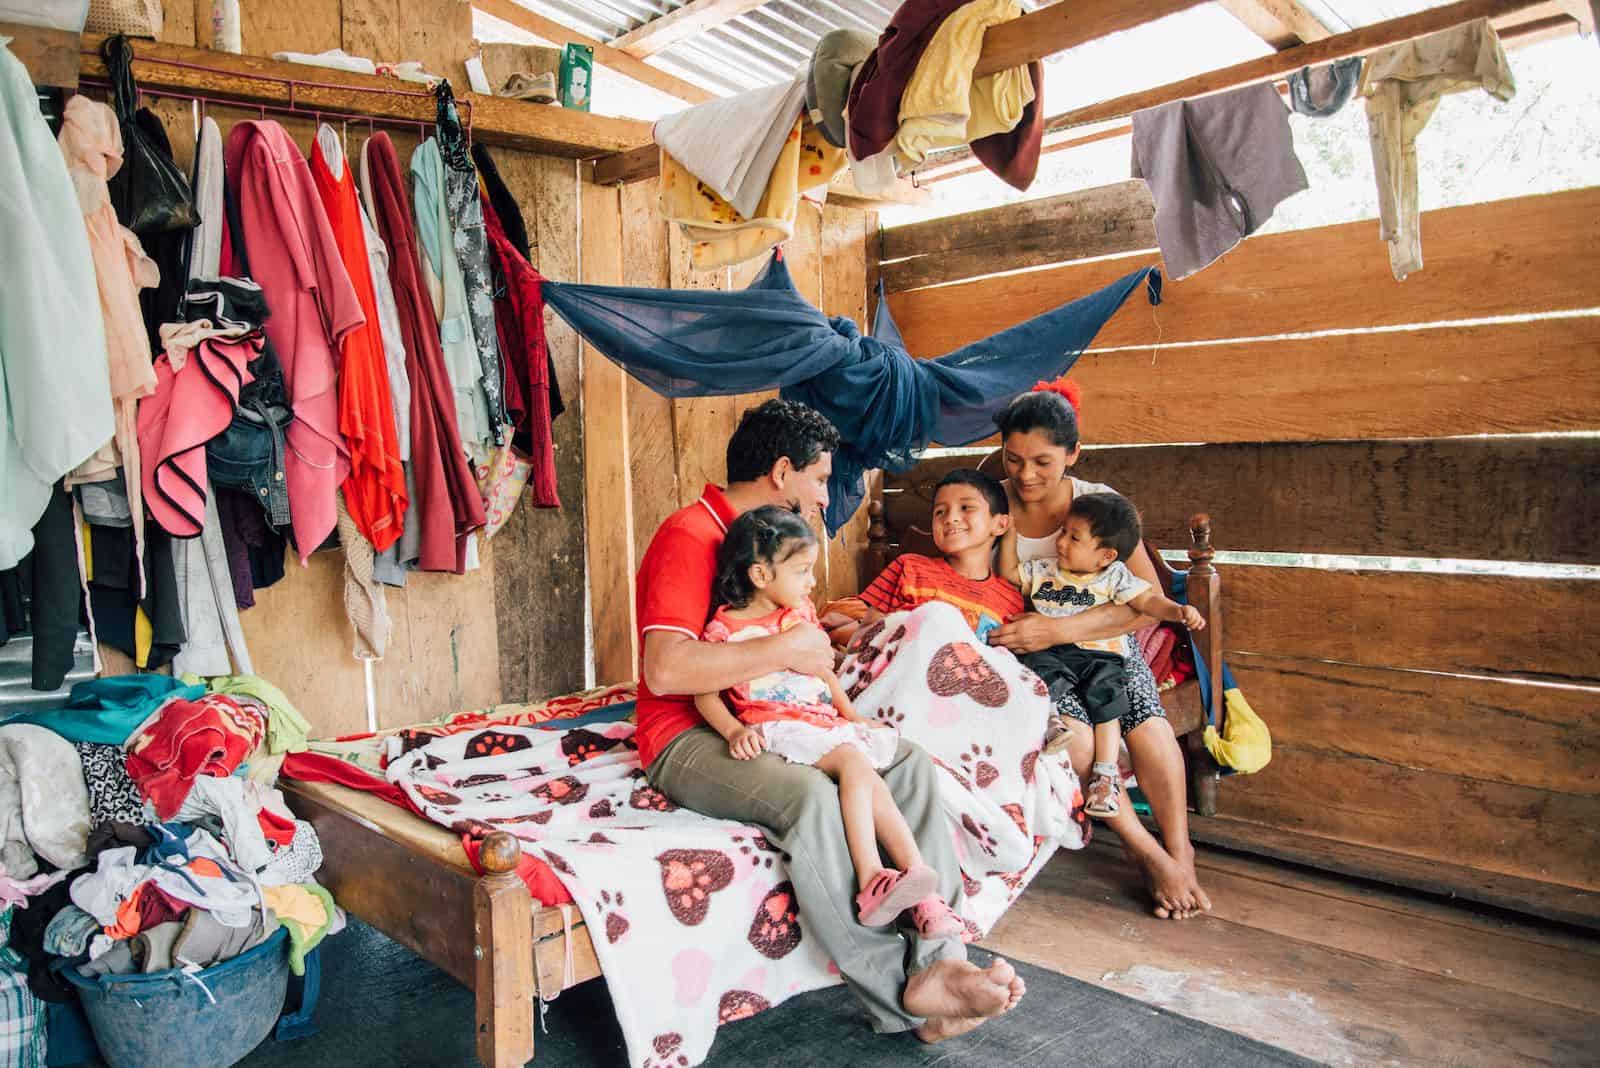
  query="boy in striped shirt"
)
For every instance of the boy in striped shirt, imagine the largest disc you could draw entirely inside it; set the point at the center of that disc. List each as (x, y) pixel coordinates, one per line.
(970, 513)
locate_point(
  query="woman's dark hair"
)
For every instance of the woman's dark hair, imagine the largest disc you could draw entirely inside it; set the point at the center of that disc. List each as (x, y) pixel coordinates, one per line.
(1113, 520)
(1041, 410)
(766, 535)
(776, 429)
(992, 491)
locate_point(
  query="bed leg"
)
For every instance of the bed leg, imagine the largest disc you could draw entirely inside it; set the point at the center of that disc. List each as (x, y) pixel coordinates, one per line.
(503, 932)
(1204, 775)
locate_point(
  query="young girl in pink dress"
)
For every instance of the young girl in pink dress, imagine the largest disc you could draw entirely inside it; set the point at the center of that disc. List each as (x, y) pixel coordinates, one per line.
(765, 579)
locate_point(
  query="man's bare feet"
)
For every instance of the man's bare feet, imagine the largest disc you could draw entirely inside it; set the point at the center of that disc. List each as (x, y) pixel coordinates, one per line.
(987, 991)
(940, 1028)
(1005, 975)
(955, 989)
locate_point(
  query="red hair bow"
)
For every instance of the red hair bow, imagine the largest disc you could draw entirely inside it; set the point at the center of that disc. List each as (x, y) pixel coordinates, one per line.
(1065, 387)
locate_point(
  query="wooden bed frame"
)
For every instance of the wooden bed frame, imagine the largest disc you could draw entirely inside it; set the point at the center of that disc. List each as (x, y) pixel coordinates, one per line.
(411, 880)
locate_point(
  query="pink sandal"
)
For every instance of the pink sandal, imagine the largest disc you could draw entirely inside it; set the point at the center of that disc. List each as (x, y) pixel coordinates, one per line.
(891, 892)
(935, 919)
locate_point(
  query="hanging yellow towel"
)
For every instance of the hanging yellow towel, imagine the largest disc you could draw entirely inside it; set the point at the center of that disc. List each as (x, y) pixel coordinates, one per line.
(719, 235)
(1246, 745)
(943, 105)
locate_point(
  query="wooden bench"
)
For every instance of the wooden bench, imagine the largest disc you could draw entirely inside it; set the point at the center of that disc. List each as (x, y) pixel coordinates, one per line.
(899, 525)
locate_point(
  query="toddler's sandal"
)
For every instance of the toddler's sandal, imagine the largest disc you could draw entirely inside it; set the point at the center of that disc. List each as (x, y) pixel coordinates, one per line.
(935, 919)
(1102, 798)
(891, 892)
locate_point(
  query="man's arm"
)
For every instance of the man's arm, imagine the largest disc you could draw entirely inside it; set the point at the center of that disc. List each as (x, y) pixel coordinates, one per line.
(676, 664)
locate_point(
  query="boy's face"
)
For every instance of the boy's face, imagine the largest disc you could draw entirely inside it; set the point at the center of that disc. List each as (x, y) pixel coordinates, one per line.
(1078, 551)
(962, 520)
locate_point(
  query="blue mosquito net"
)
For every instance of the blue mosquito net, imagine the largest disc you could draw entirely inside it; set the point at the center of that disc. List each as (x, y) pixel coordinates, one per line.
(887, 405)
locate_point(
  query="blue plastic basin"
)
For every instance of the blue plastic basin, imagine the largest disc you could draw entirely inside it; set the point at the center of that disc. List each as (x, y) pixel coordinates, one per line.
(166, 1019)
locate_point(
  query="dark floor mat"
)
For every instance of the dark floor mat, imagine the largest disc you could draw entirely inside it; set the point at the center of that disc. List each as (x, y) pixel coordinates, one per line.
(382, 1008)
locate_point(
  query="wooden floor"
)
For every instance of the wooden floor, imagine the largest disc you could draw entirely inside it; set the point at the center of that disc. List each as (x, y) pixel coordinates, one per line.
(1330, 968)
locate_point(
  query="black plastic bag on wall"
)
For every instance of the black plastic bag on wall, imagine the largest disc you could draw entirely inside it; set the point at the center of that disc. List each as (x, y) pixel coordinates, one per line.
(151, 195)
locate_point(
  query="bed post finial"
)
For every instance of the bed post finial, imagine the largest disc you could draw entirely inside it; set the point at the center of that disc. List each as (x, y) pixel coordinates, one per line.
(504, 982)
(500, 853)
(1200, 553)
(876, 555)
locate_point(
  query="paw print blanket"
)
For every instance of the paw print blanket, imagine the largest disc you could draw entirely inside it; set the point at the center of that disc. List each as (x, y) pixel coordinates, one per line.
(981, 715)
(693, 919)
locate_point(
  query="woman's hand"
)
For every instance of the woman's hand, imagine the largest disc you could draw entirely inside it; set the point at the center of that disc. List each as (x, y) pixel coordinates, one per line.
(1027, 633)
(1192, 618)
(745, 744)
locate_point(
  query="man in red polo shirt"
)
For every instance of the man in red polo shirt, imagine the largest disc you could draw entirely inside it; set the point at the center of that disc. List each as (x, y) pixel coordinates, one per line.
(782, 453)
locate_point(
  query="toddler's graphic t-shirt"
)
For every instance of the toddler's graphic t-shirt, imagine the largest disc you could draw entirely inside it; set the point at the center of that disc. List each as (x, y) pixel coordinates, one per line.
(1061, 593)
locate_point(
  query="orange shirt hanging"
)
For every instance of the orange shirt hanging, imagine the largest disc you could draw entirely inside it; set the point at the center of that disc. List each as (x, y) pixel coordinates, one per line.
(375, 491)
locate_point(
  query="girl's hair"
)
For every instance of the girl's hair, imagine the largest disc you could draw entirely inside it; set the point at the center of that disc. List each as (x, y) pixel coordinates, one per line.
(1051, 407)
(766, 535)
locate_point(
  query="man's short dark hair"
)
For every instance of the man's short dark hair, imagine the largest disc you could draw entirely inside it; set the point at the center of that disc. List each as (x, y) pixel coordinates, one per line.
(775, 429)
(1113, 520)
(992, 491)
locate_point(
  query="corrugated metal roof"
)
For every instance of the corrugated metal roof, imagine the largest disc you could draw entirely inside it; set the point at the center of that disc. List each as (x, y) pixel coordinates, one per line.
(769, 44)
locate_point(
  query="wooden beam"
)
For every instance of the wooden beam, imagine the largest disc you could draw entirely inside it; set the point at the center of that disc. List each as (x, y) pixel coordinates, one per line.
(1110, 219)
(634, 165)
(1270, 68)
(695, 17)
(1280, 23)
(604, 54)
(251, 80)
(51, 56)
(1062, 26)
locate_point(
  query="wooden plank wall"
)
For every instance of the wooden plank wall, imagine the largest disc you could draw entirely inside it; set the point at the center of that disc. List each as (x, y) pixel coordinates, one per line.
(514, 629)
(647, 456)
(1450, 717)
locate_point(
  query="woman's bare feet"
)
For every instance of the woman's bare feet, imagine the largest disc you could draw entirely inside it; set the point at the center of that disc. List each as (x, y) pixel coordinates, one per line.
(1174, 885)
(957, 996)
(1186, 893)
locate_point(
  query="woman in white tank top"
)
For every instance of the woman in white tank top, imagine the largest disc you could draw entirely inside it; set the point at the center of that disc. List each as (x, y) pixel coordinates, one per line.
(1039, 438)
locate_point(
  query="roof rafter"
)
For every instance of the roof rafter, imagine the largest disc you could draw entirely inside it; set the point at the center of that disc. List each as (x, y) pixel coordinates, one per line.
(694, 17)
(605, 55)
(1280, 23)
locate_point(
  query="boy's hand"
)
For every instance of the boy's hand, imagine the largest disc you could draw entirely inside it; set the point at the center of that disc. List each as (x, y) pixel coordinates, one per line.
(745, 744)
(1192, 618)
